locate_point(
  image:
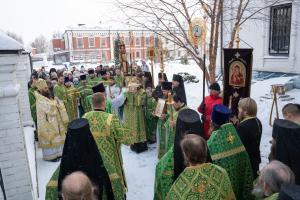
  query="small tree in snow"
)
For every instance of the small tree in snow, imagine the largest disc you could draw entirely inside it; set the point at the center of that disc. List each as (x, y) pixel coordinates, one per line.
(117, 43)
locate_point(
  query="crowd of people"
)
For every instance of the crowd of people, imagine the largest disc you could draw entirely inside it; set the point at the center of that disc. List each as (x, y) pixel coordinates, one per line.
(83, 117)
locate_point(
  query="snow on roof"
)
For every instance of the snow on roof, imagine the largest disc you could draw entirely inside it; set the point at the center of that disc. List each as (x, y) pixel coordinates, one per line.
(8, 43)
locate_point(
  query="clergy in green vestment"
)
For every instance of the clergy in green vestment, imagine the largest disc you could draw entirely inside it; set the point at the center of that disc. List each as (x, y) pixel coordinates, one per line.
(172, 163)
(32, 99)
(92, 80)
(51, 122)
(73, 96)
(109, 134)
(134, 116)
(151, 120)
(100, 88)
(119, 78)
(161, 129)
(177, 106)
(51, 187)
(227, 151)
(32, 102)
(84, 90)
(200, 180)
(80, 154)
(60, 91)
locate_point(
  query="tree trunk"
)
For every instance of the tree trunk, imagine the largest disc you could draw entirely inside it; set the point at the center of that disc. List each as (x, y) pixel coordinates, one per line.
(212, 57)
(218, 9)
(236, 24)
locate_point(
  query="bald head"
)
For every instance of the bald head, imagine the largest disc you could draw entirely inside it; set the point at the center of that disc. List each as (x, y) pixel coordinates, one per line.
(272, 177)
(77, 186)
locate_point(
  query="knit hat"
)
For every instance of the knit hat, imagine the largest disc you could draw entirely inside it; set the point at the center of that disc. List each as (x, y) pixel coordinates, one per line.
(215, 86)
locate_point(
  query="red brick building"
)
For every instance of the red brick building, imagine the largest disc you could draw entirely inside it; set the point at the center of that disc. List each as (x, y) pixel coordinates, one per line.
(97, 45)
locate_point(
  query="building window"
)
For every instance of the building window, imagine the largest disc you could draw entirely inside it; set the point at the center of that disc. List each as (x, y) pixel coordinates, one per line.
(103, 42)
(137, 54)
(127, 41)
(179, 53)
(91, 42)
(80, 43)
(147, 41)
(137, 41)
(280, 29)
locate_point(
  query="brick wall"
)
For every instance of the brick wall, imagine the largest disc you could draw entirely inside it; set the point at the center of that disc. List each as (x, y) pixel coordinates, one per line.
(58, 44)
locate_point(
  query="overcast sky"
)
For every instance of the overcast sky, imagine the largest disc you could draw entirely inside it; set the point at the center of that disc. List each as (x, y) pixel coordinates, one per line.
(31, 18)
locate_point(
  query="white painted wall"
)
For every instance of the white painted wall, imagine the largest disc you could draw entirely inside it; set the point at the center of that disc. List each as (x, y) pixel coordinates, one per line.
(23, 76)
(255, 34)
(13, 158)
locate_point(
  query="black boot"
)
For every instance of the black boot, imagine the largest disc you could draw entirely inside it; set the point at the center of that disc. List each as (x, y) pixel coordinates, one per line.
(133, 147)
(141, 147)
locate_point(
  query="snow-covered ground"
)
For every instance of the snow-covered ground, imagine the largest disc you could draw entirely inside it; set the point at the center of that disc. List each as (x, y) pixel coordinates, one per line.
(140, 168)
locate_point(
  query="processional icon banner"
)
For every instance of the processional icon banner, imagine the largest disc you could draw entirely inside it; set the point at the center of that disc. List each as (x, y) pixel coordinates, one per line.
(237, 76)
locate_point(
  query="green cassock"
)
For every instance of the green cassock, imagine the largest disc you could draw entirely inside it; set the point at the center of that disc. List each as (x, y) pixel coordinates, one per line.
(85, 91)
(151, 121)
(227, 151)
(73, 95)
(202, 182)
(109, 134)
(32, 102)
(108, 105)
(134, 115)
(60, 91)
(164, 173)
(170, 131)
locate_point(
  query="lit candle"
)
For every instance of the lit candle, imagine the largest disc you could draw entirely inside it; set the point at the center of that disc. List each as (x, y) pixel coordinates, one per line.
(170, 98)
